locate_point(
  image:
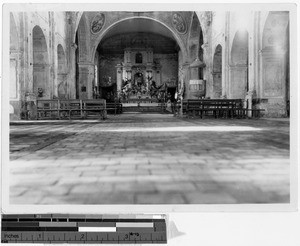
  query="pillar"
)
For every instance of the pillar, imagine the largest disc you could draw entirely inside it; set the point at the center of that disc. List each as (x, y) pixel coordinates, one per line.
(86, 79)
(252, 60)
(119, 78)
(225, 60)
(185, 79)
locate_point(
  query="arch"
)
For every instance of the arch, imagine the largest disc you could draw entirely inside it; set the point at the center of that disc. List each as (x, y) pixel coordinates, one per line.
(14, 39)
(14, 52)
(239, 65)
(41, 85)
(274, 30)
(217, 72)
(61, 73)
(239, 50)
(105, 31)
(78, 16)
(195, 39)
(195, 43)
(83, 35)
(275, 61)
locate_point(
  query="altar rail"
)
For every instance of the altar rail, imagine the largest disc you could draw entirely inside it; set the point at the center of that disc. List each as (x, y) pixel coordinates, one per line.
(71, 109)
(218, 108)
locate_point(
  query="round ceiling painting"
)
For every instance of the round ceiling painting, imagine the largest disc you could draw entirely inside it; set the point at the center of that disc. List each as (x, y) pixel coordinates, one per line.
(97, 23)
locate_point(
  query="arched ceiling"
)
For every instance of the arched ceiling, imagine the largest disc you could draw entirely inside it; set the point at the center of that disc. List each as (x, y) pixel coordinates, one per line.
(138, 32)
(139, 25)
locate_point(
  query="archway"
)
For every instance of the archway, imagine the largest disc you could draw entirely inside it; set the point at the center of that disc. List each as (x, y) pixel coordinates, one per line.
(41, 85)
(275, 62)
(61, 73)
(157, 25)
(14, 83)
(83, 83)
(195, 47)
(138, 51)
(14, 52)
(239, 65)
(217, 72)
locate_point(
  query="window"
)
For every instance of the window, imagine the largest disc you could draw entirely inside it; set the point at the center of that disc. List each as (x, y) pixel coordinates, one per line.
(138, 58)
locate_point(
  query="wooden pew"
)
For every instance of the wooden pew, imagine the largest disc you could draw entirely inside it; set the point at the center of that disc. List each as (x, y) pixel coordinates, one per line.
(115, 107)
(71, 109)
(94, 107)
(216, 107)
(47, 109)
(219, 108)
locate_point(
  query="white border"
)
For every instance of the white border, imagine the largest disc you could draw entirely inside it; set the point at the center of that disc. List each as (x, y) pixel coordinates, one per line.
(8, 208)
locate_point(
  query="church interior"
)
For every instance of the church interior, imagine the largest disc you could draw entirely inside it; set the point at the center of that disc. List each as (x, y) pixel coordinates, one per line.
(151, 57)
(112, 55)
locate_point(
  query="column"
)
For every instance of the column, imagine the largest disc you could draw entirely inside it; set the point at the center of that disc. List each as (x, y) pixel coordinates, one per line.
(251, 61)
(185, 78)
(225, 60)
(196, 86)
(86, 78)
(119, 78)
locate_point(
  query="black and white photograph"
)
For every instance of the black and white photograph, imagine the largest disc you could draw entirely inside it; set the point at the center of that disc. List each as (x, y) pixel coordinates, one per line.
(149, 107)
(185, 112)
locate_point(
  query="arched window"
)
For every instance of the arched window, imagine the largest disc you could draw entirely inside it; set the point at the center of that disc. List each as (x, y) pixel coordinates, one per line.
(138, 58)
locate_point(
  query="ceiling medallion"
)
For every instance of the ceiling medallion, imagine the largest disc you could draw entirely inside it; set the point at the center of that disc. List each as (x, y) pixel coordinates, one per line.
(179, 23)
(97, 23)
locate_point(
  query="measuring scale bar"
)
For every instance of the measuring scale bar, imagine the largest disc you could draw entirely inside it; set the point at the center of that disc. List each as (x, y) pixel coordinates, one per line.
(76, 229)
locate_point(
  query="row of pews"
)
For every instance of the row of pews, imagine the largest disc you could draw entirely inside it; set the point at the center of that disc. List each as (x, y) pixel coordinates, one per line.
(76, 109)
(99, 108)
(218, 108)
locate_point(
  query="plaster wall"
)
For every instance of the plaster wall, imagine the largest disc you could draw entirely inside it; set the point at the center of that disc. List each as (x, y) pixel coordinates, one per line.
(54, 32)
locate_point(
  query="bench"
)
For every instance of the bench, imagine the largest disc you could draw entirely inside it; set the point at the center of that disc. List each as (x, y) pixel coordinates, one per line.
(94, 107)
(70, 108)
(218, 108)
(47, 109)
(115, 107)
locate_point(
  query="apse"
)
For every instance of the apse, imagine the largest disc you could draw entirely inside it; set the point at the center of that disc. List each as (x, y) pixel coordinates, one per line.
(138, 50)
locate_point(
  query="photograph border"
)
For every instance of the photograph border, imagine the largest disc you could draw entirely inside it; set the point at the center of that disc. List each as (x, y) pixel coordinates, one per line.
(161, 208)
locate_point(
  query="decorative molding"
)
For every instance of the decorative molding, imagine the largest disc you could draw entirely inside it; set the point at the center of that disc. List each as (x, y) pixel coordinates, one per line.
(179, 23)
(97, 23)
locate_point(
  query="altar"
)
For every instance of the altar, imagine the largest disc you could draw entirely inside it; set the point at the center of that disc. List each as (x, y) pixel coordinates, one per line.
(138, 76)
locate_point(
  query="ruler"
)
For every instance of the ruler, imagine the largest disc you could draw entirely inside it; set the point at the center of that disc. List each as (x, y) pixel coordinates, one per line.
(62, 228)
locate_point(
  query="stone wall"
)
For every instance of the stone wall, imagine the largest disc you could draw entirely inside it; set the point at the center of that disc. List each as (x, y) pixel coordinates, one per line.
(35, 58)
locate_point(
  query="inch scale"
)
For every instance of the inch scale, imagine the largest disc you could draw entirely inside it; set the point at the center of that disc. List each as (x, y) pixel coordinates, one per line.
(100, 229)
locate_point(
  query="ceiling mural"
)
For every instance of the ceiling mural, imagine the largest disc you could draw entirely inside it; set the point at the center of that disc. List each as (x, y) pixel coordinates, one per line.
(179, 23)
(97, 23)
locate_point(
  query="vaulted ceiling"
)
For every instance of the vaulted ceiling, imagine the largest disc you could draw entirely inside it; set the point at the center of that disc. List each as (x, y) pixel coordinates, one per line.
(140, 33)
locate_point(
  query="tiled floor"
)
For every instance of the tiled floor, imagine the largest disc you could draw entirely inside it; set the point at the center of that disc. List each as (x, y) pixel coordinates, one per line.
(149, 159)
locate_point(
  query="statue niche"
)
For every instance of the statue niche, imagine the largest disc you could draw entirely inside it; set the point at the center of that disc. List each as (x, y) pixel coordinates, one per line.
(138, 79)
